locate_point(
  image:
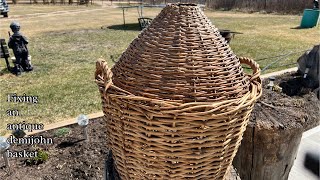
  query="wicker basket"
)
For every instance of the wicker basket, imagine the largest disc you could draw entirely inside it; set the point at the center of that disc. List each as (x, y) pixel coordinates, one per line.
(177, 102)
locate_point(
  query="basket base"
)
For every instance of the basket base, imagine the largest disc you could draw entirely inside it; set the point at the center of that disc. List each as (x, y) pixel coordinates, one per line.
(112, 174)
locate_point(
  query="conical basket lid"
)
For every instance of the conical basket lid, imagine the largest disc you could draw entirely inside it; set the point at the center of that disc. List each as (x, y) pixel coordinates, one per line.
(181, 57)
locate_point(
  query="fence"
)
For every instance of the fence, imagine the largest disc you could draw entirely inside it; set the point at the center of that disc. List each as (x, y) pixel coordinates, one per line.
(79, 2)
(279, 6)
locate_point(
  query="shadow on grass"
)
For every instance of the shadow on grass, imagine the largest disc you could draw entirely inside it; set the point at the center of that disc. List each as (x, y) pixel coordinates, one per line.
(4, 71)
(127, 27)
(299, 27)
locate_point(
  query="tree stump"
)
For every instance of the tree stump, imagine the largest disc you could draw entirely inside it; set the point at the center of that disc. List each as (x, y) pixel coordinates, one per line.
(272, 137)
(267, 154)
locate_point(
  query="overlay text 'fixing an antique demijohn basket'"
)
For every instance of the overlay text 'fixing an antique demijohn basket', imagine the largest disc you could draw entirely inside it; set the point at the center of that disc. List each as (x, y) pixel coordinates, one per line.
(177, 102)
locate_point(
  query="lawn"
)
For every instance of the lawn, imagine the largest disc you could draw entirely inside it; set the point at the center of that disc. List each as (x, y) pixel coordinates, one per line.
(65, 47)
(27, 9)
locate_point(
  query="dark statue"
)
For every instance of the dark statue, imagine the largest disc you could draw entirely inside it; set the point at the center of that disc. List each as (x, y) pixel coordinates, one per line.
(315, 4)
(18, 43)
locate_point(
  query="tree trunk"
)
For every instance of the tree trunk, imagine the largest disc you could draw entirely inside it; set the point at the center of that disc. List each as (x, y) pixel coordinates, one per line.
(267, 153)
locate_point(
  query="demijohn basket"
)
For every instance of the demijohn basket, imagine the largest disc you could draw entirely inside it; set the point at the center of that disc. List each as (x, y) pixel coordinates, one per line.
(177, 102)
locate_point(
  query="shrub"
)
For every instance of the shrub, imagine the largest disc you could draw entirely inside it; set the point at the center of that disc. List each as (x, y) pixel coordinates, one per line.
(41, 157)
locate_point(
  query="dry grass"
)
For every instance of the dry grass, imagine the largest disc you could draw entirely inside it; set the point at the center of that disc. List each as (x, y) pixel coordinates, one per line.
(19, 10)
(65, 46)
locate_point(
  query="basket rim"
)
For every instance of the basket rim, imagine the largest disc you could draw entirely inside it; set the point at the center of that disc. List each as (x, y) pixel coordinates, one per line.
(103, 78)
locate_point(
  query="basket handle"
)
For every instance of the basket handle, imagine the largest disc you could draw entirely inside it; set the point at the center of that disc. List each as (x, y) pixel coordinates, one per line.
(254, 66)
(103, 78)
(103, 74)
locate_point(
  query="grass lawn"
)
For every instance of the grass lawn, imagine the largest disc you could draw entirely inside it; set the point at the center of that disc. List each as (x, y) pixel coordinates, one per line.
(65, 47)
(25, 9)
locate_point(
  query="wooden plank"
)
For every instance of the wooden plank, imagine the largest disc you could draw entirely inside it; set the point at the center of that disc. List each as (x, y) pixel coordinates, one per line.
(264, 76)
(311, 132)
(4, 51)
(307, 144)
(62, 124)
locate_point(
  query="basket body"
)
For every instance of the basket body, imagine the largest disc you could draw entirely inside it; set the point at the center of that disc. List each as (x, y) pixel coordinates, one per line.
(182, 119)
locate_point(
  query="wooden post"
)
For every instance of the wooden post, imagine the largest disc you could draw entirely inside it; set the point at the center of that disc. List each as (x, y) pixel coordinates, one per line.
(267, 150)
(4, 52)
(124, 19)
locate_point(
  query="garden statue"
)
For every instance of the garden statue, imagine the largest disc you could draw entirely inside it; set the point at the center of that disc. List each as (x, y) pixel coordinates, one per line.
(316, 4)
(18, 43)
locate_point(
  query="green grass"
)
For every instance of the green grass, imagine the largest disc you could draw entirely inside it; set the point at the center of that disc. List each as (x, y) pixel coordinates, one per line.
(65, 47)
(62, 132)
(267, 36)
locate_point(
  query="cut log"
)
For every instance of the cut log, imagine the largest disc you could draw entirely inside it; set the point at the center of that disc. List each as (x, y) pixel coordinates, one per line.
(267, 154)
(272, 137)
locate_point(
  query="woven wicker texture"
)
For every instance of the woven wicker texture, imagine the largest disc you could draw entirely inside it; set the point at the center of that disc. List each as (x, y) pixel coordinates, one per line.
(185, 53)
(177, 102)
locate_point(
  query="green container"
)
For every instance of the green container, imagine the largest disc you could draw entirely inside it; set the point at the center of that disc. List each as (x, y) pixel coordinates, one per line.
(310, 18)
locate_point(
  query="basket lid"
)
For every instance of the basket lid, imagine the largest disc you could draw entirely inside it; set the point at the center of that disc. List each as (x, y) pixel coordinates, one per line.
(181, 57)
